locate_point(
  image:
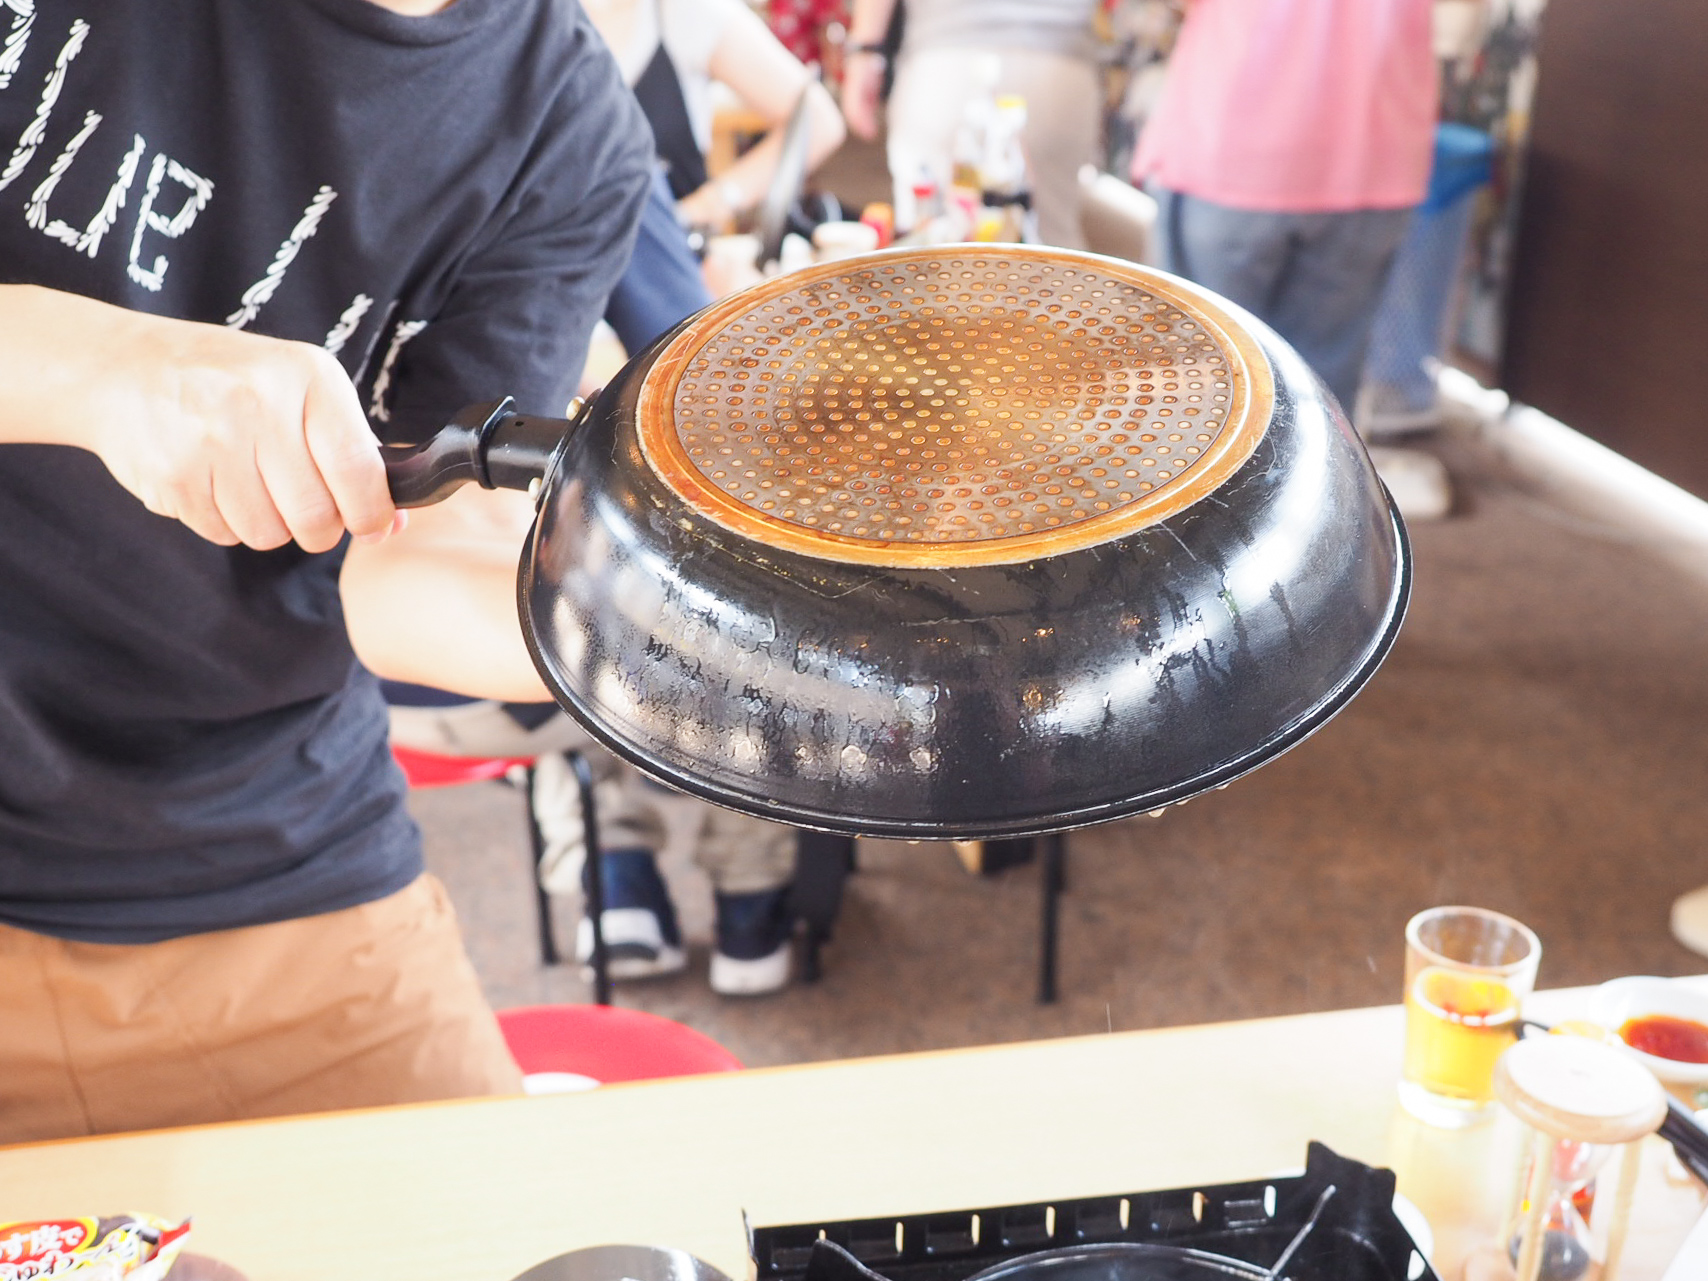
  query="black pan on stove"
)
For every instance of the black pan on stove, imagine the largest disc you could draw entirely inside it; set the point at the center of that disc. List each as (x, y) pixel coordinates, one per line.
(1124, 1262)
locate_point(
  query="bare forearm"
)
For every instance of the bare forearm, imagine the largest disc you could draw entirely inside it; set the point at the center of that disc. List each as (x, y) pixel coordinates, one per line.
(869, 21)
(52, 346)
(436, 605)
(751, 175)
(863, 69)
(450, 625)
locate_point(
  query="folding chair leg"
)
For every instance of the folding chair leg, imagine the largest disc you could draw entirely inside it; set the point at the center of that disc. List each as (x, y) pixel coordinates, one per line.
(594, 878)
(1054, 878)
(549, 954)
(822, 865)
(812, 969)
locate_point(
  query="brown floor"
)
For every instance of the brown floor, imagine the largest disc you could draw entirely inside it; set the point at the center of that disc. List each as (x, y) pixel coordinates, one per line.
(1534, 744)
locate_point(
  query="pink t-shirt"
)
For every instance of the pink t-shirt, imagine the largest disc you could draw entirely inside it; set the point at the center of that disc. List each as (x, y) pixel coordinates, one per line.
(1297, 105)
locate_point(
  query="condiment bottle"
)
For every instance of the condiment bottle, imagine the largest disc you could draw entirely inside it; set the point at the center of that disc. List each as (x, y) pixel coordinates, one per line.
(1005, 174)
(1579, 1099)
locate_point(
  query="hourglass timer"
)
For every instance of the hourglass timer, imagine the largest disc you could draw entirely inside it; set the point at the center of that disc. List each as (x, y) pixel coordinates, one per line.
(1580, 1101)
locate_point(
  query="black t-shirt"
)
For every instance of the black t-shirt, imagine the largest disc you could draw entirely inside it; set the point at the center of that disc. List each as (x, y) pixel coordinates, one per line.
(186, 740)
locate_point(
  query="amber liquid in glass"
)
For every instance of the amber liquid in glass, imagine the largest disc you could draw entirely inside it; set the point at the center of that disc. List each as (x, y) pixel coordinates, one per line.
(1456, 1027)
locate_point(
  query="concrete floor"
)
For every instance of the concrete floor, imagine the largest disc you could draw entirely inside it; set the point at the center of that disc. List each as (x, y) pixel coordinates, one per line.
(1534, 744)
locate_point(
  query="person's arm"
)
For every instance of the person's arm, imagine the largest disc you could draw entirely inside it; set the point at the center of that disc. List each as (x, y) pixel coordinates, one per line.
(863, 67)
(436, 605)
(1458, 29)
(243, 438)
(662, 283)
(769, 80)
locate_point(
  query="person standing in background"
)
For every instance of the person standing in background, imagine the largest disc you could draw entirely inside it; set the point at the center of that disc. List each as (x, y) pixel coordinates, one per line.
(956, 51)
(750, 861)
(1291, 143)
(801, 26)
(670, 52)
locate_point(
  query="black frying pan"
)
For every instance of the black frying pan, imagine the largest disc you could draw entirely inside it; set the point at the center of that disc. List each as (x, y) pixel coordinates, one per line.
(953, 542)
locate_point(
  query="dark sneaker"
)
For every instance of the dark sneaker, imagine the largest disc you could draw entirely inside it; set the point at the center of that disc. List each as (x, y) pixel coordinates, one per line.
(752, 953)
(642, 938)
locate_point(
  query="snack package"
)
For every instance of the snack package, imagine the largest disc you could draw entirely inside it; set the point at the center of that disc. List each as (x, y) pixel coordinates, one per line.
(125, 1247)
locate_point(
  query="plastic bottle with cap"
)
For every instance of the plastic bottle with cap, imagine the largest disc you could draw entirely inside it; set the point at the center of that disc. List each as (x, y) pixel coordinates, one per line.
(918, 215)
(1005, 174)
(966, 182)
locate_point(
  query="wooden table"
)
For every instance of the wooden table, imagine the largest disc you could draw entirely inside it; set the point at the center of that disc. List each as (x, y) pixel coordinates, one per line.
(479, 1191)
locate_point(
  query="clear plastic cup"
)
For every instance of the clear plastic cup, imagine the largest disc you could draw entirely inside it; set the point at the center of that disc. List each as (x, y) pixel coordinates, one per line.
(1468, 971)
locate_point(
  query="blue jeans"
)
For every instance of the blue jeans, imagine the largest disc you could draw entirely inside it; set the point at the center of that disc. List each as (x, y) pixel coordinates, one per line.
(1315, 278)
(662, 284)
(1411, 323)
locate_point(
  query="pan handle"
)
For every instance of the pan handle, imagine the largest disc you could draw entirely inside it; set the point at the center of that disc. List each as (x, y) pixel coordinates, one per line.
(490, 444)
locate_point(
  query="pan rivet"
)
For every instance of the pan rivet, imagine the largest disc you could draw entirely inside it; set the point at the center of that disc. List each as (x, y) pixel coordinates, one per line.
(534, 487)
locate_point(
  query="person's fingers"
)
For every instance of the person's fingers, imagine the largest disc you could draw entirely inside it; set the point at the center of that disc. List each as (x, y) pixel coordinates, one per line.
(242, 498)
(860, 99)
(192, 502)
(298, 492)
(399, 523)
(346, 453)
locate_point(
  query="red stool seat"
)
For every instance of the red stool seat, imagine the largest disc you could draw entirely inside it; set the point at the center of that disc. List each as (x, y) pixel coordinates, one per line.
(609, 1043)
(429, 769)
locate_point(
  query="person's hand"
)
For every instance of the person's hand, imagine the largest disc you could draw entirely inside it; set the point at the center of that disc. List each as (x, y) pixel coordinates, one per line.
(862, 83)
(243, 438)
(731, 263)
(707, 207)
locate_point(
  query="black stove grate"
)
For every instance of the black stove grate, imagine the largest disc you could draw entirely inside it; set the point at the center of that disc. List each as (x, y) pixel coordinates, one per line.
(1356, 1236)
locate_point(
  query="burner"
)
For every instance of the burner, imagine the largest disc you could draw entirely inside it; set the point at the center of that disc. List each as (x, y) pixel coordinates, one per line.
(1335, 1222)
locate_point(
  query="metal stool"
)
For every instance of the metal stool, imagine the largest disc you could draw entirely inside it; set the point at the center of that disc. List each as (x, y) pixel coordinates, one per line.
(996, 856)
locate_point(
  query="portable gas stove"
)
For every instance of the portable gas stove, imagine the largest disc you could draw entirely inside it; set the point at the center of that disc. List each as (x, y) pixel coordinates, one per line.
(1335, 1222)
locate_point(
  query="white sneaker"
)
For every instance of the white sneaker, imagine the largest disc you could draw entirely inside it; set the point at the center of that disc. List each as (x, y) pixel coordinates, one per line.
(1690, 920)
(758, 977)
(634, 945)
(557, 812)
(1383, 411)
(751, 955)
(1417, 480)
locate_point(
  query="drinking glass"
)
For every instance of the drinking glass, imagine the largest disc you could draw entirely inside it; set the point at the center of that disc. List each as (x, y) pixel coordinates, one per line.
(1468, 971)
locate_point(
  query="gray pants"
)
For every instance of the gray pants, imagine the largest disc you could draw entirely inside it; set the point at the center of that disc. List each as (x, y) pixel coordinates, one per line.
(1315, 278)
(741, 855)
(1064, 104)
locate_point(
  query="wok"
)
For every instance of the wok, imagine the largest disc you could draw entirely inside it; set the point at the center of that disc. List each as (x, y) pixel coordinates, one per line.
(950, 542)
